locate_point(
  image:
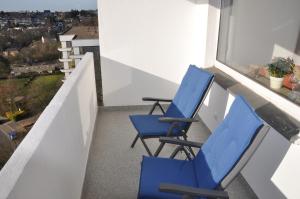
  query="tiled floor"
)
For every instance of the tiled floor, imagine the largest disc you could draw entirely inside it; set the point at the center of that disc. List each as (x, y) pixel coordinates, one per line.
(113, 168)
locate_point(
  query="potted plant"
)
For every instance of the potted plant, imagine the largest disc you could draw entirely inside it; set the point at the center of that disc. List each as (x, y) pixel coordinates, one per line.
(278, 69)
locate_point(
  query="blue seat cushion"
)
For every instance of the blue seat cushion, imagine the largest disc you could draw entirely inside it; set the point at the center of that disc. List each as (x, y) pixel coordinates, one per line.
(163, 170)
(149, 125)
(226, 144)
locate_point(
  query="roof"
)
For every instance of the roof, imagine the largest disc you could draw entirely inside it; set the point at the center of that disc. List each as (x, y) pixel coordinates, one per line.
(84, 32)
(11, 126)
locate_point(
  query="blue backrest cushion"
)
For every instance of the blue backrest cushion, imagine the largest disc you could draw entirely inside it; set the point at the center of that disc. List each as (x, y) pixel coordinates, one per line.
(190, 93)
(226, 144)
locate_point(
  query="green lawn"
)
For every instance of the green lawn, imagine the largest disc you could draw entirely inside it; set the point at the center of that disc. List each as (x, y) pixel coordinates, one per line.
(10, 87)
(38, 93)
(19, 83)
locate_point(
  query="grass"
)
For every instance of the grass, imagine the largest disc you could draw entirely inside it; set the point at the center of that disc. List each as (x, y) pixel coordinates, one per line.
(19, 83)
(38, 93)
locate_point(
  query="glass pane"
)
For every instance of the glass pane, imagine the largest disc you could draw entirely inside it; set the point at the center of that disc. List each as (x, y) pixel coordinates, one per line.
(253, 33)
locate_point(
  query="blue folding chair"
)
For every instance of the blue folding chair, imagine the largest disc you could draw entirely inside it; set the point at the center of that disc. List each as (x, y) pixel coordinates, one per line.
(217, 163)
(176, 121)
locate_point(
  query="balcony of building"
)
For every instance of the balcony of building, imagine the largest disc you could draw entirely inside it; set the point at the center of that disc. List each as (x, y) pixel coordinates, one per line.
(78, 149)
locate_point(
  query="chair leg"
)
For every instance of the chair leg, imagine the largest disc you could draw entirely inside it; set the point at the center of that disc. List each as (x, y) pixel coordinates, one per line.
(179, 148)
(159, 149)
(191, 151)
(189, 148)
(186, 153)
(153, 107)
(134, 141)
(146, 147)
(161, 108)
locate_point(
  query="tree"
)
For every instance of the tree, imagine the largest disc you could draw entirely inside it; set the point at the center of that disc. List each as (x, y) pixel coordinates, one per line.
(8, 92)
(5, 41)
(74, 14)
(4, 67)
(40, 52)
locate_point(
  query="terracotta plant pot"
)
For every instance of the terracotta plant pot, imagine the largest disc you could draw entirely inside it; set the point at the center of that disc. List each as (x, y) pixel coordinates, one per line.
(276, 83)
(263, 71)
(287, 82)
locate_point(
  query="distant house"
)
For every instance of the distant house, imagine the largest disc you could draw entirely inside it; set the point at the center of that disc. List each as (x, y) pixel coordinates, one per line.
(3, 119)
(18, 28)
(23, 21)
(10, 129)
(36, 20)
(47, 13)
(59, 27)
(68, 20)
(3, 22)
(84, 32)
(41, 68)
(10, 52)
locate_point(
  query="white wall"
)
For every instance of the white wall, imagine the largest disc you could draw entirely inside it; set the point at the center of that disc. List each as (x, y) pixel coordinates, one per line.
(51, 160)
(149, 40)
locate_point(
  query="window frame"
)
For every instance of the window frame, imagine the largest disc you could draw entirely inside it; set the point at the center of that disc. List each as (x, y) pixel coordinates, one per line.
(282, 102)
(222, 64)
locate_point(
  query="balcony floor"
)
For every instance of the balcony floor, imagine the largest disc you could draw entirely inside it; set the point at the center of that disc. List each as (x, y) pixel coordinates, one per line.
(113, 167)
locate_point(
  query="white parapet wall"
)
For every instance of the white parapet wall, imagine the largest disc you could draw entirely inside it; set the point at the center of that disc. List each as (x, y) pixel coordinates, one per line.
(51, 160)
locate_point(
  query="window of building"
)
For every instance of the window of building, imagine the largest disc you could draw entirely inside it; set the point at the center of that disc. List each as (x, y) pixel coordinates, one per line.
(253, 33)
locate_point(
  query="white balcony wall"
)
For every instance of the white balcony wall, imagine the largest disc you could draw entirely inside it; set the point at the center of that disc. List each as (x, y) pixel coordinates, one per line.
(147, 45)
(51, 160)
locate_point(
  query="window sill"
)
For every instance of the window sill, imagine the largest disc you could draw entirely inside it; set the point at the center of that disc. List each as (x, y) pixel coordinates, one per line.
(284, 92)
(285, 124)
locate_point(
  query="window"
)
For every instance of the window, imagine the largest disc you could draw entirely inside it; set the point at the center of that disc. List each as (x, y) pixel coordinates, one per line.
(252, 33)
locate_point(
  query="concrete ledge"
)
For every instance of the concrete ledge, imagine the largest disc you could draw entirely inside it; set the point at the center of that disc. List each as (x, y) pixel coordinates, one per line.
(279, 120)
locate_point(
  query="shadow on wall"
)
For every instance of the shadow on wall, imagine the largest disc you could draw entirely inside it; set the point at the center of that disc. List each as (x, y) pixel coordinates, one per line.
(124, 85)
(198, 1)
(214, 3)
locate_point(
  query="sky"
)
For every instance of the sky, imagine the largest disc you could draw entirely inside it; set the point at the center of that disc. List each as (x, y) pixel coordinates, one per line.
(53, 5)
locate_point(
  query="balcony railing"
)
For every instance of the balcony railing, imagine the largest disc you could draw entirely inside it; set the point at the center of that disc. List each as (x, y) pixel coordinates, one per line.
(51, 160)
